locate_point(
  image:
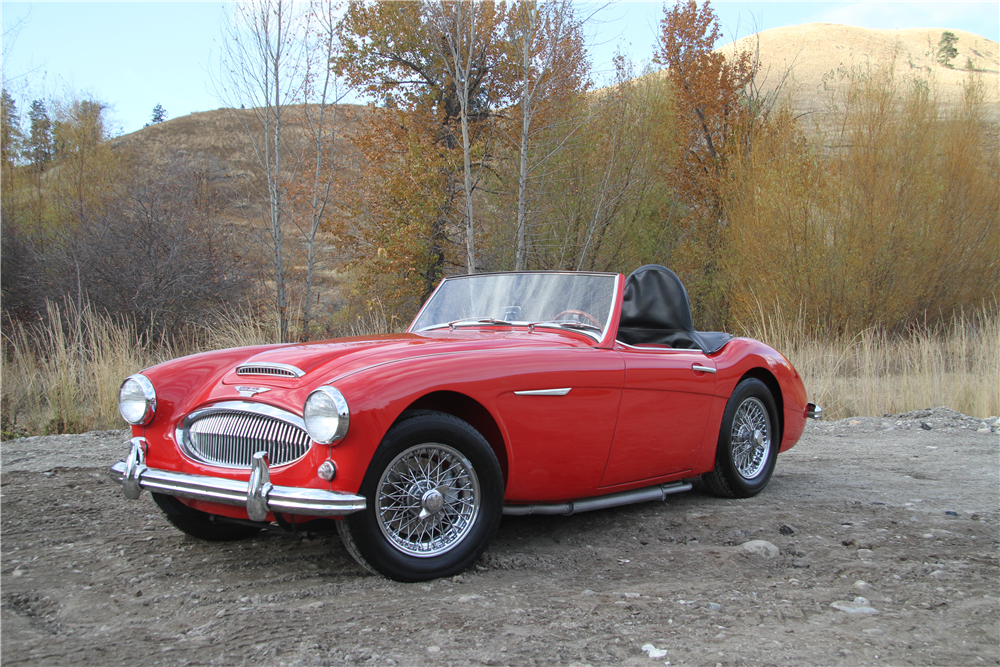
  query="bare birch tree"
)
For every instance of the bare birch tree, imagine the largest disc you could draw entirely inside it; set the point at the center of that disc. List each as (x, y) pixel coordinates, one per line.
(261, 69)
(469, 33)
(322, 92)
(547, 44)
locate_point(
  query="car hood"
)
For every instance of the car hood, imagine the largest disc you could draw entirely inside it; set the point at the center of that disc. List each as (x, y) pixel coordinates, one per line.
(326, 360)
(187, 382)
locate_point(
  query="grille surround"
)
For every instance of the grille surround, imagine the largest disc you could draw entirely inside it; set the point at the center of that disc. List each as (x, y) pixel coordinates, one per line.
(228, 434)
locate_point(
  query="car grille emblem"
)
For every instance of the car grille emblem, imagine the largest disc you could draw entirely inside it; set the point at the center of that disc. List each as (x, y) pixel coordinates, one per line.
(247, 392)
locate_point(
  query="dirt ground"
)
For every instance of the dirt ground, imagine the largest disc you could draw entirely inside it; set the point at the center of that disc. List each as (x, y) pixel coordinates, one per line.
(886, 532)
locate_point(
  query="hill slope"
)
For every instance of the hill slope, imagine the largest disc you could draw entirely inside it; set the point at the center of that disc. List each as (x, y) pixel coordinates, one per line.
(816, 57)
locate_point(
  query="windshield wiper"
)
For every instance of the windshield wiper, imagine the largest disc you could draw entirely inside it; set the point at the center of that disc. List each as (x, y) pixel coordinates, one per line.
(479, 320)
(566, 324)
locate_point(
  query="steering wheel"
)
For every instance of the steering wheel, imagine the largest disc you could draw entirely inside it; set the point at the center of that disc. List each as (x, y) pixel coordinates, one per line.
(579, 313)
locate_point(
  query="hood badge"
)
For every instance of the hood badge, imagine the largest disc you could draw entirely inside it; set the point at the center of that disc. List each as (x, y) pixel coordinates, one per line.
(248, 392)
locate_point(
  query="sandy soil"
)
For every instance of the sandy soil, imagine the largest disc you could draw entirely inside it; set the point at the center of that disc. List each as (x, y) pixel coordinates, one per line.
(886, 536)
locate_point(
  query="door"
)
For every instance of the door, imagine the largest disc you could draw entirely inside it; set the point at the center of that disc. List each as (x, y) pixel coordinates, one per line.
(559, 409)
(664, 408)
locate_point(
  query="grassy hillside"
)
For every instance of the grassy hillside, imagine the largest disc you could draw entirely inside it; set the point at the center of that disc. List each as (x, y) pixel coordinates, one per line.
(216, 144)
(811, 62)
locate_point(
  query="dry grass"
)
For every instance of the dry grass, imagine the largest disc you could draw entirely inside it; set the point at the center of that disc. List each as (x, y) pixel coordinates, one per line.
(63, 374)
(873, 373)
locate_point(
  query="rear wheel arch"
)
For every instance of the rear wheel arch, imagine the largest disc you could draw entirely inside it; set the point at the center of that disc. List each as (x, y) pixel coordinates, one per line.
(772, 385)
(468, 410)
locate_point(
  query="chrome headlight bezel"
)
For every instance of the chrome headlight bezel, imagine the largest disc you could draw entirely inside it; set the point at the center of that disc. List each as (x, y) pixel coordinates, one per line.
(141, 397)
(326, 415)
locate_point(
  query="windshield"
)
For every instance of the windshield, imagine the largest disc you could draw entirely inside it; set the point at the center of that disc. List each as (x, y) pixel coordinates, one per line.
(579, 301)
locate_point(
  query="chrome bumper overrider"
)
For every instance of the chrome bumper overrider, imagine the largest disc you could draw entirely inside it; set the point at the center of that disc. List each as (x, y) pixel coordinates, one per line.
(257, 495)
(813, 411)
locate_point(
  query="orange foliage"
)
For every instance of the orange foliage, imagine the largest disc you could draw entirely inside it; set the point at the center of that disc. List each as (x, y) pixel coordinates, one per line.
(716, 120)
(895, 226)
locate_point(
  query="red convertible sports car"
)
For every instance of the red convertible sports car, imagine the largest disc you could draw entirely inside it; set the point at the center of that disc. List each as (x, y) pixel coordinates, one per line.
(511, 393)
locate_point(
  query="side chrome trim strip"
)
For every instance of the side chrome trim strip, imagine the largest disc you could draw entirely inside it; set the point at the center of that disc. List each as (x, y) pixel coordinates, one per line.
(544, 392)
(703, 369)
(257, 495)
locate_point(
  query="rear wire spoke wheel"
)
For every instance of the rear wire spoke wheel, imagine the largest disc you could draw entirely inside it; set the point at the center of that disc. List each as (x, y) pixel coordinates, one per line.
(748, 442)
(751, 438)
(434, 493)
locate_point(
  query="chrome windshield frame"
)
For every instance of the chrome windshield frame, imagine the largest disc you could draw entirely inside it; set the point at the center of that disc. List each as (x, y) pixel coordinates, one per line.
(618, 282)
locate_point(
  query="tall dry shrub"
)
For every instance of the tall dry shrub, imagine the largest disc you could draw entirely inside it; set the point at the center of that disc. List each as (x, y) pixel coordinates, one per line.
(894, 221)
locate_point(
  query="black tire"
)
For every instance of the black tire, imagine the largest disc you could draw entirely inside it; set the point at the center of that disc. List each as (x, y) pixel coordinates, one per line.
(201, 524)
(434, 495)
(749, 439)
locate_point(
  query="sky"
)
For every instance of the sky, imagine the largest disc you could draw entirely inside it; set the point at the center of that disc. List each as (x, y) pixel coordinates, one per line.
(135, 55)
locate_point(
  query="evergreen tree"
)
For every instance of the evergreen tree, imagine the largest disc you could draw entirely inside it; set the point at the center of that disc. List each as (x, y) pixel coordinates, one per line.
(41, 145)
(159, 114)
(946, 48)
(10, 147)
(10, 134)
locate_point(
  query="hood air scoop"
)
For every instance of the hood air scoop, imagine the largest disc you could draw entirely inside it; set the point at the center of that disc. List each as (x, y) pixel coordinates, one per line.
(270, 369)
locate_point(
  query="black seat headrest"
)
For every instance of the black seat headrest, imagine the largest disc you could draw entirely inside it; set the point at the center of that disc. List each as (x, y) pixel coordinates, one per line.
(655, 298)
(656, 311)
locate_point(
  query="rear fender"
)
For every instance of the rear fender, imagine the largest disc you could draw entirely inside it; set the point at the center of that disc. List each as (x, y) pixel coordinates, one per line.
(743, 358)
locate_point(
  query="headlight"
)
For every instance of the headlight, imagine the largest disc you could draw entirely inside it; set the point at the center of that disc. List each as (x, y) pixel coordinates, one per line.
(137, 400)
(326, 415)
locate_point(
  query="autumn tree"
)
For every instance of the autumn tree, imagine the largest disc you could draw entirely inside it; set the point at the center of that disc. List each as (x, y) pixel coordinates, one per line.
(603, 198)
(718, 119)
(438, 68)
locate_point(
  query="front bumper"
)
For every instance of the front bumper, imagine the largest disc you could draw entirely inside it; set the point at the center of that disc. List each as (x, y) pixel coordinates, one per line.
(257, 495)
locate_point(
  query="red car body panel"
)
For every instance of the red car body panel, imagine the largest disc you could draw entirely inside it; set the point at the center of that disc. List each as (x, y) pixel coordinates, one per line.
(634, 416)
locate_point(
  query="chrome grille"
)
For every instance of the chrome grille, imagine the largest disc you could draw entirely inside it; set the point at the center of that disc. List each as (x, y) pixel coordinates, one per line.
(229, 436)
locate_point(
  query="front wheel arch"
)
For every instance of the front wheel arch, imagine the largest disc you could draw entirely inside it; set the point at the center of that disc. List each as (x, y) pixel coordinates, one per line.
(470, 411)
(438, 465)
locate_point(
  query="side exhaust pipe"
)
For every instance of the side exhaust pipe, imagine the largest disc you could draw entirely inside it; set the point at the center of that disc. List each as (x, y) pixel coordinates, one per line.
(658, 492)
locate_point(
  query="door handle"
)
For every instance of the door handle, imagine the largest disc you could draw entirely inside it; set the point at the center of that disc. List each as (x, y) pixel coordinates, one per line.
(702, 369)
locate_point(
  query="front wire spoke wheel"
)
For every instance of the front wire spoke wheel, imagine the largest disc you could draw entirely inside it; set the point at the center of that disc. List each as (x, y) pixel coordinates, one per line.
(434, 491)
(427, 500)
